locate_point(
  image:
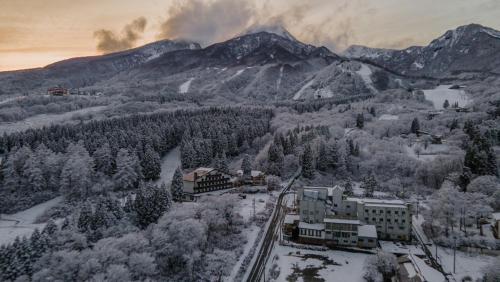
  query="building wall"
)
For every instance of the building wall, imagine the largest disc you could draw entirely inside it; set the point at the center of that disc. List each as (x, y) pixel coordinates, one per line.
(312, 211)
(392, 223)
(212, 181)
(342, 234)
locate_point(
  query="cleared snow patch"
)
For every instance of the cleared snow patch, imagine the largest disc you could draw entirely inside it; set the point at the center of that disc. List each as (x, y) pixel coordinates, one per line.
(299, 93)
(418, 65)
(45, 120)
(184, 88)
(365, 72)
(278, 83)
(443, 92)
(388, 117)
(22, 223)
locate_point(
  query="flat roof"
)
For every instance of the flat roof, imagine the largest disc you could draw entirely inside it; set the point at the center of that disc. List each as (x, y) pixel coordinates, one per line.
(368, 231)
(314, 226)
(290, 218)
(377, 201)
(342, 221)
(387, 206)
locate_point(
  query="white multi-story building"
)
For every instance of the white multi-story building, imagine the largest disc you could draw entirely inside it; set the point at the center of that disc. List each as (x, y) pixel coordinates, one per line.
(327, 215)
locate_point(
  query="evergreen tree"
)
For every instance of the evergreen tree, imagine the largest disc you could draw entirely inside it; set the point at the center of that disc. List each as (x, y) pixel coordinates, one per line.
(246, 166)
(334, 155)
(308, 162)
(360, 121)
(275, 159)
(177, 186)
(372, 111)
(323, 161)
(369, 184)
(85, 217)
(221, 163)
(151, 202)
(446, 104)
(76, 174)
(126, 176)
(348, 189)
(151, 164)
(415, 126)
(104, 161)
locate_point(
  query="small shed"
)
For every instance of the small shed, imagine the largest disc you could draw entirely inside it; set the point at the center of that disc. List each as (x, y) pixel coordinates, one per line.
(367, 236)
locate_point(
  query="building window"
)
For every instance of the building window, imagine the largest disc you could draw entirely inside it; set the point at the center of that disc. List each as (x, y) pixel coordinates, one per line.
(370, 240)
(389, 220)
(366, 218)
(396, 212)
(366, 211)
(403, 212)
(403, 221)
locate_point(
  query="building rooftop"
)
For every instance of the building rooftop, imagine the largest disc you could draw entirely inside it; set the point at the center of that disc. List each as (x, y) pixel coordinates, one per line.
(496, 216)
(199, 172)
(313, 226)
(367, 231)
(255, 173)
(382, 205)
(342, 221)
(377, 201)
(290, 218)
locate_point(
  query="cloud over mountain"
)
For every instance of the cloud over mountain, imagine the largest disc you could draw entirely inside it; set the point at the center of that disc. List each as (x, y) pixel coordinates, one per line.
(109, 42)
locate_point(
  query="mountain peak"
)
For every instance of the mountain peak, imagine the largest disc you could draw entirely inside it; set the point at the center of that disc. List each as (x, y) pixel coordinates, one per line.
(275, 29)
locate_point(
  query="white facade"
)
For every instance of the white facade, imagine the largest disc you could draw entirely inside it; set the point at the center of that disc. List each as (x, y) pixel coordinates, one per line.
(344, 217)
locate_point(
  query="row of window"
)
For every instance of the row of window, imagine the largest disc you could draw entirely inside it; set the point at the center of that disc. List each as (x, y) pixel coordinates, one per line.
(388, 220)
(310, 232)
(387, 212)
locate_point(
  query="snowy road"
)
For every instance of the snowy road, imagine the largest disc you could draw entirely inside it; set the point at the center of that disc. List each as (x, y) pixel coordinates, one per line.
(169, 164)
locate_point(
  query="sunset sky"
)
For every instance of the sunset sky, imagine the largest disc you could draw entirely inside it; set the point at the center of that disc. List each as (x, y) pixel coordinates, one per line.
(34, 33)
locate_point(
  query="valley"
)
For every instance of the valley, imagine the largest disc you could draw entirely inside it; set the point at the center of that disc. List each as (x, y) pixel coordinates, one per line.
(234, 161)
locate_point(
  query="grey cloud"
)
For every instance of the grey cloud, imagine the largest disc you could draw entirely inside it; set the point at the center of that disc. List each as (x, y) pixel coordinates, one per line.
(108, 41)
(206, 22)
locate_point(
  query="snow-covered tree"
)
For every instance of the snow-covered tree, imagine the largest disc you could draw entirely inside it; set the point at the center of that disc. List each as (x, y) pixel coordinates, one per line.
(246, 166)
(151, 164)
(369, 184)
(273, 183)
(126, 176)
(177, 186)
(308, 162)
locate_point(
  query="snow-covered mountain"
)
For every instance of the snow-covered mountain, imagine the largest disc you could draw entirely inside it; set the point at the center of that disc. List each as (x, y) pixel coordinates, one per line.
(86, 71)
(470, 48)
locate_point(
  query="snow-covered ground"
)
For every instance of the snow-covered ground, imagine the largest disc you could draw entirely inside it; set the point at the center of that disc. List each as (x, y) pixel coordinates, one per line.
(245, 208)
(309, 265)
(169, 163)
(443, 92)
(467, 264)
(22, 223)
(45, 120)
(184, 88)
(417, 151)
(388, 117)
(5, 101)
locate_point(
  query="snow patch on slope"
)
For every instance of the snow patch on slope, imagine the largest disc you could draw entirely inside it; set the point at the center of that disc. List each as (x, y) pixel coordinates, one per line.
(299, 93)
(278, 83)
(443, 92)
(184, 88)
(365, 72)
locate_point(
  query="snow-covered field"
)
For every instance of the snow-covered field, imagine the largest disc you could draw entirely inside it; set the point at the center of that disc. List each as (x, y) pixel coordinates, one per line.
(45, 120)
(417, 151)
(22, 223)
(169, 163)
(308, 265)
(443, 92)
(467, 264)
(388, 117)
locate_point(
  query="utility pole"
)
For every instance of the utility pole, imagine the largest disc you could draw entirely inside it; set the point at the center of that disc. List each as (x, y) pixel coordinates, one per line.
(454, 252)
(253, 205)
(437, 258)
